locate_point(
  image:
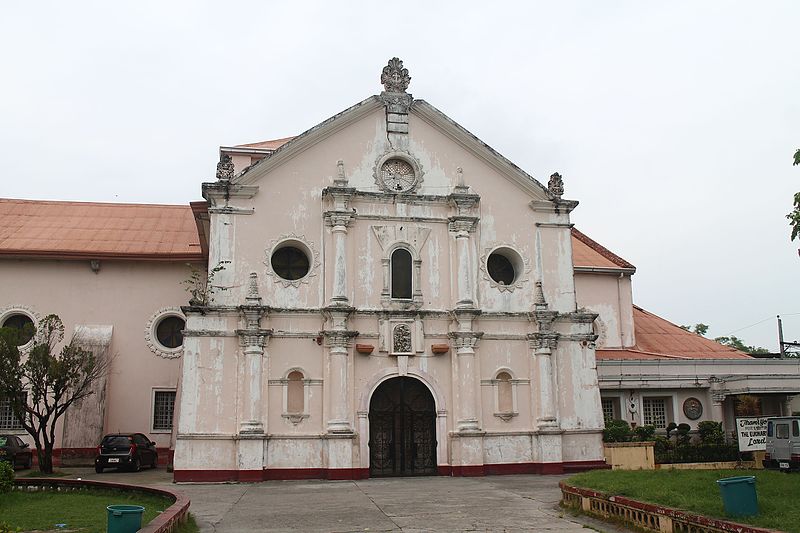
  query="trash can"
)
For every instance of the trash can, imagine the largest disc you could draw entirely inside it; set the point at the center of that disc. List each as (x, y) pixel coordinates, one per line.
(739, 495)
(124, 518)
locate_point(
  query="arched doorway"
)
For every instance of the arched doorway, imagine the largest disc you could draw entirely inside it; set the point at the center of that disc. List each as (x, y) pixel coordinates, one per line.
(402, 429)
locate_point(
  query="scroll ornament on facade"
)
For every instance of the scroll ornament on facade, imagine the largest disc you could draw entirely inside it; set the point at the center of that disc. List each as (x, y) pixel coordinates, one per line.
(556, 185)
(395, 78)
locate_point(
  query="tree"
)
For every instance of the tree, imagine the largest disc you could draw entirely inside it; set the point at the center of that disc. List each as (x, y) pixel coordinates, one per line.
(736, 342)
(701, 329)
(794, 216)
(42, 384)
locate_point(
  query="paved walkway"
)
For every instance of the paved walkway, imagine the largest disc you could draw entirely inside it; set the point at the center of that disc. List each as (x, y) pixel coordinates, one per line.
(447, 504)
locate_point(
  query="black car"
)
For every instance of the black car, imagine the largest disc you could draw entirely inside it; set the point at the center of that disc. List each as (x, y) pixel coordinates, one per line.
(15, 451)
(126, 450)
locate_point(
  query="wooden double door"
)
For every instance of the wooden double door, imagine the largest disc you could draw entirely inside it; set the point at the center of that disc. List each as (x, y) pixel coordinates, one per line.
(402, 429)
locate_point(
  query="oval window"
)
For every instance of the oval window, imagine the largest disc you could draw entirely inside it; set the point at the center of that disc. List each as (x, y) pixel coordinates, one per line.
(290, 263)
(23, 324)
(169, 331)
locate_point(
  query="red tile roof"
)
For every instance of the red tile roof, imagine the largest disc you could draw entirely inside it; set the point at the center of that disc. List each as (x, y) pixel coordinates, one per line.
(73, 230)
(657, 338)
(589, 253)
(274, 144)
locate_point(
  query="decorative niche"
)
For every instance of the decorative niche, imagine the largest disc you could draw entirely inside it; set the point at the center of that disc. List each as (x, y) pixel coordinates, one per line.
(401, 336)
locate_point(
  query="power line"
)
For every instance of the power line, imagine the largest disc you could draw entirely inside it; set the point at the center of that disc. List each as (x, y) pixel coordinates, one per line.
(760, 322)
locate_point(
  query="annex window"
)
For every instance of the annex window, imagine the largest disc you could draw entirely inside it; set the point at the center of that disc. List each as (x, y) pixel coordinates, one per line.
(654, 412)
(169, 331)
(8, 421)
(608, 409)
(163, 410)
(402, 269)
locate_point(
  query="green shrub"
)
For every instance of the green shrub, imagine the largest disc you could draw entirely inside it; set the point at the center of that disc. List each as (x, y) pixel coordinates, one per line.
(7, 528)
(711, 432)
(617, 431)
(6, 477)
(645, 433)
(683, 437)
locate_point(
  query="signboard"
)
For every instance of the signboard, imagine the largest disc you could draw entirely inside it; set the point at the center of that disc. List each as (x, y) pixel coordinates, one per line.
(752, 433)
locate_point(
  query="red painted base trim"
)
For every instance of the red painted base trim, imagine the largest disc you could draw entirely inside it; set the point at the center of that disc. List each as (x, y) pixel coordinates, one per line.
(274, 474)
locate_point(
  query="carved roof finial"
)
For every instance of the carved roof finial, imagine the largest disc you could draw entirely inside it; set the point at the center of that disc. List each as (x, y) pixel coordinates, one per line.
(556, 185)
(253, 297)
(225, 168)
(395, 78)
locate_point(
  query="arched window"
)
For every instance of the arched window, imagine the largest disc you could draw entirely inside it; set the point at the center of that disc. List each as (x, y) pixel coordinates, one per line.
(402, 269)
(505, 398)
(295, 393)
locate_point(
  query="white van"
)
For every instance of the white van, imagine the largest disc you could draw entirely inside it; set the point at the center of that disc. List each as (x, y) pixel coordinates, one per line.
(783, 443)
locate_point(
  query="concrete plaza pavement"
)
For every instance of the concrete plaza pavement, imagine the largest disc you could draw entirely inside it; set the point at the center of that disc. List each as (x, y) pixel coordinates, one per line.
(429, 504)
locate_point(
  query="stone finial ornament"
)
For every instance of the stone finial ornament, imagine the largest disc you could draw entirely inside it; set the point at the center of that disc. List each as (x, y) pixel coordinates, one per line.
(225, 168)
(556, 185)
(395, 78)
(538, 296)
(341, 177)
(253, 297)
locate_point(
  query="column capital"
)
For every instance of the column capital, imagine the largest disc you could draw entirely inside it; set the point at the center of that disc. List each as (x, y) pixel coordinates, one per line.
(462, 226)
(465, 339)
(341, 339)
(543, 342)
(254, 338)
(338, 219)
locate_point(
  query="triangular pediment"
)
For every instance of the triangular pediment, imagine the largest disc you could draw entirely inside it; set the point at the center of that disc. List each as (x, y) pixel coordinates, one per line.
(419, 109)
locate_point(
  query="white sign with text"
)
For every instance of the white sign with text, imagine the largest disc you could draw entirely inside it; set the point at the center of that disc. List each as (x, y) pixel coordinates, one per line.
(752, 433)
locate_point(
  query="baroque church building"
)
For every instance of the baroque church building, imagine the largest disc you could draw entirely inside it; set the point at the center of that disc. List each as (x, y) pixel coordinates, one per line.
(381, 295)
(397, 299)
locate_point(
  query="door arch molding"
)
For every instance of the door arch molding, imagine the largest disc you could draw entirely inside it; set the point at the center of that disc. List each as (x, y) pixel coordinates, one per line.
(442, 444)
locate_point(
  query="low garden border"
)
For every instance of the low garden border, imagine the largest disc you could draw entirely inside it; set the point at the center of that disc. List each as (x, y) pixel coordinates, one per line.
(163, 523)
(648, 516)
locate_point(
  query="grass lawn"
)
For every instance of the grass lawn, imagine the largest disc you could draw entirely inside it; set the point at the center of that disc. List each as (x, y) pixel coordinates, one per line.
(697, 491)
(84, 510)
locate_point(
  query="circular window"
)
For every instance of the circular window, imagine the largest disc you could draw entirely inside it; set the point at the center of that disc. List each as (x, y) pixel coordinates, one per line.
(500, 269)
(24, 326)
(169, 331)
(290, 262)
(398, 175)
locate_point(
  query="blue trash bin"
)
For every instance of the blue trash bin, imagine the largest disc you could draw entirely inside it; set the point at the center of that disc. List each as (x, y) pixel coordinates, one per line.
(124, 518)
(739, 495)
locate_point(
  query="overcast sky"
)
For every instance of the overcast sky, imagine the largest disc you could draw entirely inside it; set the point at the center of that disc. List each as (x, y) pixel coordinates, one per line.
(673, 123)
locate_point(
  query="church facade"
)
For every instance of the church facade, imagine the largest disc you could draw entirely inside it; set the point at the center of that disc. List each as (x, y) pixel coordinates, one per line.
(382, 295)
(392, 297)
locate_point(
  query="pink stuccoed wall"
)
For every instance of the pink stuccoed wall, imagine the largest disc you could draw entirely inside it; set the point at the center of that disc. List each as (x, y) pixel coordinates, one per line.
(124, 295)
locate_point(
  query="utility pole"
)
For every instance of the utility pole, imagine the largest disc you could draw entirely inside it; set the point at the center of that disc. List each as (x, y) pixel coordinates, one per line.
(780, 338)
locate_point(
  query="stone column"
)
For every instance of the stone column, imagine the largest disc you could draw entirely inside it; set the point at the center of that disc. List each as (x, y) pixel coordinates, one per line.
(337, 342)
(542, 345)
(339, 231)
(465, 340)
(253, 341)
(717, 400)
(462, 224)
(464, 279)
